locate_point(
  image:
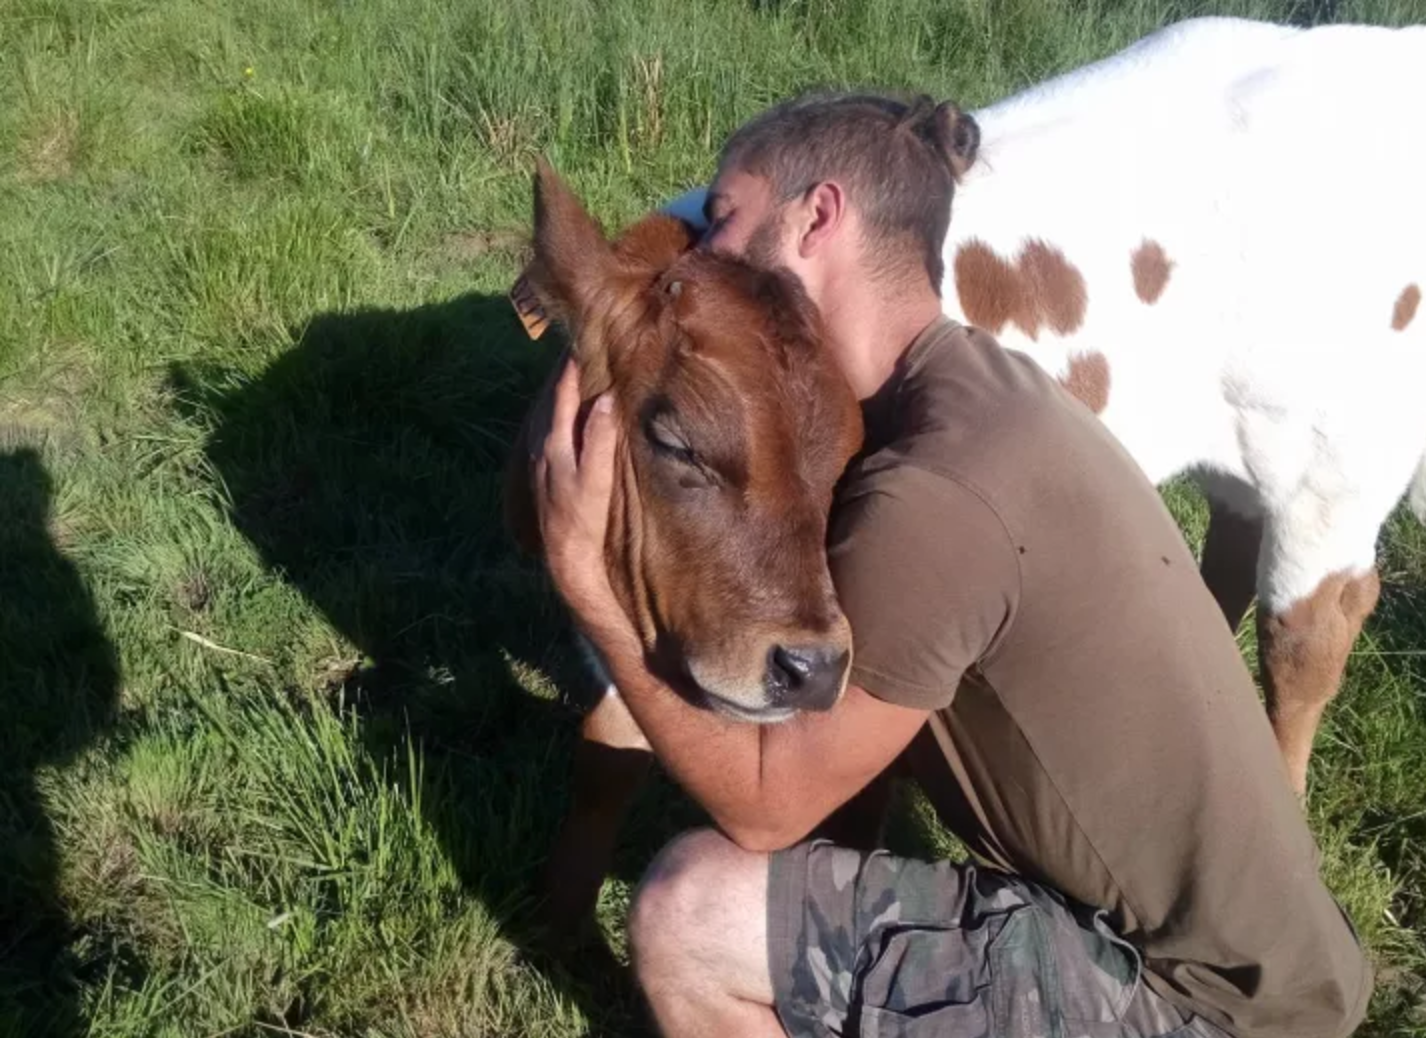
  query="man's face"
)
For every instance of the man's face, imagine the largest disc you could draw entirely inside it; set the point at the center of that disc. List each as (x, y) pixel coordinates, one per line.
(743, 220)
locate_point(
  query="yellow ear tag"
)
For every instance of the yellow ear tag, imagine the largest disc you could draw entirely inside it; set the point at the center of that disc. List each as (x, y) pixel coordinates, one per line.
(527, 308)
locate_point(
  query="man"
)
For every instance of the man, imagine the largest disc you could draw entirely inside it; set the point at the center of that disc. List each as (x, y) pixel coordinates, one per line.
(1030, 630)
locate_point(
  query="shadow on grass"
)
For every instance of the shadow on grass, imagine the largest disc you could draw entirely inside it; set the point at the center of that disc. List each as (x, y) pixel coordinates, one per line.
(58, 688)
(366, 466)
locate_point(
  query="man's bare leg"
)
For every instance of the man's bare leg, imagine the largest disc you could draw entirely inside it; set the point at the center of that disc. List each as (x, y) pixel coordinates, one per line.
(698, 930)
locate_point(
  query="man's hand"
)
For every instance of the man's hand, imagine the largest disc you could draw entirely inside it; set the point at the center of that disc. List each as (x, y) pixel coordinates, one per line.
(574, 482)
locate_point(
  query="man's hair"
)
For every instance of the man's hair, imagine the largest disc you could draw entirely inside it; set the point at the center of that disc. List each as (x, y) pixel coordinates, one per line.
(898, 161)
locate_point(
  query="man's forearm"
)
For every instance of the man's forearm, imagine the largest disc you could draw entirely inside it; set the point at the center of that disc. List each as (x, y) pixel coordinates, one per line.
(718, 761)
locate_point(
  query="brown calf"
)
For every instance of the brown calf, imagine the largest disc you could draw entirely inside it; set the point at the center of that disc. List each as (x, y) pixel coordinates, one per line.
(736, 426)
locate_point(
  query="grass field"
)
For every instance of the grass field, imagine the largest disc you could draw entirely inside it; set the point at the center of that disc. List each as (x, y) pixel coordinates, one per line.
(281, 737)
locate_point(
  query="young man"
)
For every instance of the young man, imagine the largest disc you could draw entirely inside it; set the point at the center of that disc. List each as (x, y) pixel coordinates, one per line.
(1030, 629)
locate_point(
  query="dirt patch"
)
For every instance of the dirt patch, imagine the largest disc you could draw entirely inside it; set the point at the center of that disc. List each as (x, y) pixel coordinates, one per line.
(194, 593)
(40, 428)
(43, 404)
(468, 246)
(50, 152)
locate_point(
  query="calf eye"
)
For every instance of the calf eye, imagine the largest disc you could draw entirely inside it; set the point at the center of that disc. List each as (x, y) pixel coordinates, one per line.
(668, 441)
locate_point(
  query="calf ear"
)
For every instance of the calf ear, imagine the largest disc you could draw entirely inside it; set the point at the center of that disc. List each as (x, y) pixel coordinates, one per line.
(570, 270)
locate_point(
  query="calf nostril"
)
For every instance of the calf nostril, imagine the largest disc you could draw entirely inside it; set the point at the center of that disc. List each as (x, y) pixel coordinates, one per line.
(807, 678)
(796, 665)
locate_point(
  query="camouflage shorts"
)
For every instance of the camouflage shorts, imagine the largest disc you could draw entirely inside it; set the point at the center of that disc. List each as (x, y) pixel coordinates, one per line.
(886, 947)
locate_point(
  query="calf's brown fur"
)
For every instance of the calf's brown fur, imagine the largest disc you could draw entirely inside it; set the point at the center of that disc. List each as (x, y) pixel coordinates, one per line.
(735, 428)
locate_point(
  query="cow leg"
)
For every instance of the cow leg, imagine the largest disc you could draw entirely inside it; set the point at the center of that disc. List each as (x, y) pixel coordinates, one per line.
(611, 764)
(1318, 586)
(1230, 560)
(1303, 652)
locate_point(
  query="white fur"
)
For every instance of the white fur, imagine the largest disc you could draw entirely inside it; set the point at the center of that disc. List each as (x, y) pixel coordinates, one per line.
(1283, 171)
(1418, 491)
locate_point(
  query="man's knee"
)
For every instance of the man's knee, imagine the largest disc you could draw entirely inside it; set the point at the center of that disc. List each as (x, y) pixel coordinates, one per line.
(669, 897)
(678, 897)
(698, 937)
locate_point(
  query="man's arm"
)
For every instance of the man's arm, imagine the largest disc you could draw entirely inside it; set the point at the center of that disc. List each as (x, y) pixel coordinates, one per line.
(929, 580)
(766, 786)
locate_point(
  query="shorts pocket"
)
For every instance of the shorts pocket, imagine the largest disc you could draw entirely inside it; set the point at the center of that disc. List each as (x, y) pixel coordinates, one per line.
(1054, 972)
(963, 1020)
(1099, 971)
(925, 980)
(1024, 981)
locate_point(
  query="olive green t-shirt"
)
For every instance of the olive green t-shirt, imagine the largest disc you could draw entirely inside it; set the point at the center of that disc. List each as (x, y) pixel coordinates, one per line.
(1005, 564)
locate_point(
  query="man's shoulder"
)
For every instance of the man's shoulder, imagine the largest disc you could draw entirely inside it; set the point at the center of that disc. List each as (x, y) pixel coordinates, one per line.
(974, 414)
(909, 489)
(963, 396)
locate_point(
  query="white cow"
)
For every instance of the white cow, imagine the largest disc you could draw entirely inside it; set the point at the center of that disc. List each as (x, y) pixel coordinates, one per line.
(1216, 238)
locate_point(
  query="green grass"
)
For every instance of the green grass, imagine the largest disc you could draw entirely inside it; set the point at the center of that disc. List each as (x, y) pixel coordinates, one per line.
(283, 740)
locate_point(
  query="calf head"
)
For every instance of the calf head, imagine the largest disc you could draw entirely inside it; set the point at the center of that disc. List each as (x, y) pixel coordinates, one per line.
(736, 425)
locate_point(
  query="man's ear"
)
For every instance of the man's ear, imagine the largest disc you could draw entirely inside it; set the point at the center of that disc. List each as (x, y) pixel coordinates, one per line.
(818, 215)
(572, 264)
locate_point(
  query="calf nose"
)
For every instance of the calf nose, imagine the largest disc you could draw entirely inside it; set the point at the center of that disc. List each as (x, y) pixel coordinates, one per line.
(807, 678)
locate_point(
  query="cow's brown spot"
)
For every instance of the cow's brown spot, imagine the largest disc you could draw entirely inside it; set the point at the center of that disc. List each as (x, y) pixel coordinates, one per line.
(1041, 289)
(1405, 308)
(1150, 266)
(1303, 652)
(1056, 287)
(1088, 380)
(989, 288)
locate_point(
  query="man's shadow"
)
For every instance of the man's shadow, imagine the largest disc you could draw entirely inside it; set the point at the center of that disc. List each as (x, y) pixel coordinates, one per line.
(58, 690)
(366, 466)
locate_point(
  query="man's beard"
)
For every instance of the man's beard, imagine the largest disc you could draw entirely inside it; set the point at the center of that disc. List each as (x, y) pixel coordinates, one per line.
(764, 248)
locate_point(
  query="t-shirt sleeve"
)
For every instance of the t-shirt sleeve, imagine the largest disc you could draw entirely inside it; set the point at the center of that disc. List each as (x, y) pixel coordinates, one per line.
(928, 578)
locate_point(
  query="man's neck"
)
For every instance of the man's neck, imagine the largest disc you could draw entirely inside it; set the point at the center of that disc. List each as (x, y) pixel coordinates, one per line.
(870, 326)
